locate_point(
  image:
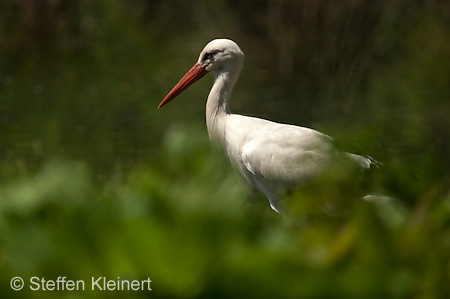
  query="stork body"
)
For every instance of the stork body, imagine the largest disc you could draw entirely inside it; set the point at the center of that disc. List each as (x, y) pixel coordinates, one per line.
(272, 157)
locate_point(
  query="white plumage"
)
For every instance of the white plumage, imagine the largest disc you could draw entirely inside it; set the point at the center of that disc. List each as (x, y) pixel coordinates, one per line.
(272, 157)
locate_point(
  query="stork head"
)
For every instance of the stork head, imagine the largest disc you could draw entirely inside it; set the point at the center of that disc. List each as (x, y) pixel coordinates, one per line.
(218, 55)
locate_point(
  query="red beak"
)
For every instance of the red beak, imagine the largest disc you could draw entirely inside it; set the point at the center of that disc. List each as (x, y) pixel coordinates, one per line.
(195, 73)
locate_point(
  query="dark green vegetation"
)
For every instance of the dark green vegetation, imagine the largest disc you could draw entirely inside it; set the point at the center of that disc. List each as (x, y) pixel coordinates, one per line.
(96, 182)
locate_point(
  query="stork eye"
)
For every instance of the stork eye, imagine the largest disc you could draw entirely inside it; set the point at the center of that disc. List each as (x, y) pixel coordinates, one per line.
(209, 55)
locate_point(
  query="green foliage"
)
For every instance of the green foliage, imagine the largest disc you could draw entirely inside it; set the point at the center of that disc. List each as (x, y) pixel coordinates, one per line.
(95, 181)
(189, 227)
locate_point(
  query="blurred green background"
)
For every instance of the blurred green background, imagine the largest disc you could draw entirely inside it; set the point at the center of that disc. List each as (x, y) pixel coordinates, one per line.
(95, 181)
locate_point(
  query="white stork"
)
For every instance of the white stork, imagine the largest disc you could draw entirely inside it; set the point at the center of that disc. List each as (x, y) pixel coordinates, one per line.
(272, 157)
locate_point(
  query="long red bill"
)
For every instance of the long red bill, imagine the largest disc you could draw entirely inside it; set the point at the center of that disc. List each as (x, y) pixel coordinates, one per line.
(195, 73)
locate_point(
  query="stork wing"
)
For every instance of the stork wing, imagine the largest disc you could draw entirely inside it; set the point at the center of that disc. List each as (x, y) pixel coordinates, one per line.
(279, 153)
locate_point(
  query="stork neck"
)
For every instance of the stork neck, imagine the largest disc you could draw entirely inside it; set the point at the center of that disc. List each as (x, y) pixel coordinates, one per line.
(220, 93)
(217, 107)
